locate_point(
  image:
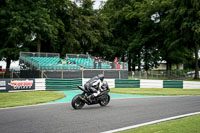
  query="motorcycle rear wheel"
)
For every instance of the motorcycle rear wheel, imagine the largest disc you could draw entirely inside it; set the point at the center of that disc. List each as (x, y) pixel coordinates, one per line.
(104, 101)
(77, 102)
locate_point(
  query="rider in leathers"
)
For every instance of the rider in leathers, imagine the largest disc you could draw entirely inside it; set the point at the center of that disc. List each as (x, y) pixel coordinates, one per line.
(94, 85)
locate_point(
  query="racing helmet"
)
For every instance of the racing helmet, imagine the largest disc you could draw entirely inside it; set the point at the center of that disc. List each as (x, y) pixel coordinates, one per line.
(105, 84)
(101, 77)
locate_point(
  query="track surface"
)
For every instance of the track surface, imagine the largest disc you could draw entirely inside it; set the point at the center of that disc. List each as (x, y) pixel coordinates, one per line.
(62, 118)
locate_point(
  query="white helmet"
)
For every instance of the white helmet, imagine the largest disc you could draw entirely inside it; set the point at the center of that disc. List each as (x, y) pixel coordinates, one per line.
(101, 77)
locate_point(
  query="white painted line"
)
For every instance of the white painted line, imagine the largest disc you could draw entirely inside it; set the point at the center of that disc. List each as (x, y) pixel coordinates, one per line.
(26, 106)
(149, 123)
(149, 97)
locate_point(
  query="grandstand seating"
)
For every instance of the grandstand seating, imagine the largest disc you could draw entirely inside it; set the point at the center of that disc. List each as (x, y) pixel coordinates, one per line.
(48, 63)
(51, 63)
(88, 63)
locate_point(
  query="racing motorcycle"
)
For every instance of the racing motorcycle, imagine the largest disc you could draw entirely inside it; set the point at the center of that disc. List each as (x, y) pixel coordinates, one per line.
(81, 99)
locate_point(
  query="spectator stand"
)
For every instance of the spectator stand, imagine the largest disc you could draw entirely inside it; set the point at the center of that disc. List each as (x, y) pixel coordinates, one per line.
(45, 61)
(50, 65)
(87, 61)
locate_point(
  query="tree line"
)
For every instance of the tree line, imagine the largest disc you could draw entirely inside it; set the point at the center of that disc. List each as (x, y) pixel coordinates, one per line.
(135, 31)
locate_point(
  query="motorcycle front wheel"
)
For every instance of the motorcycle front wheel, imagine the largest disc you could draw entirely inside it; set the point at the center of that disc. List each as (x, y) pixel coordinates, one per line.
(105, 100)
(77, 102)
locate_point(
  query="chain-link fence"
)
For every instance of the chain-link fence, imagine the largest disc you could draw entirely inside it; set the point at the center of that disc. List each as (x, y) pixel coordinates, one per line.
(161, 75)
(38, 54)
(179, 75)
(9, 73)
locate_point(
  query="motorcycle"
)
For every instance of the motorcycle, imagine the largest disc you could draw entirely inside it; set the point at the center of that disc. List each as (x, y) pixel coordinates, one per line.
(81, 99)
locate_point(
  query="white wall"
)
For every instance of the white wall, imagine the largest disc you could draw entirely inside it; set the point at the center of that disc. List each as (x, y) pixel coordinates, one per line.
(40, 84)
(191, 85)
(151, 83)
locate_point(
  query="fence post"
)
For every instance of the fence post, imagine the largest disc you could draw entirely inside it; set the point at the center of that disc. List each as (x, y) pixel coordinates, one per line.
(82, 74)
(132, 74)
(157, 74)
(11, 74)
(145, 72)
(62, 74)
(42, 73)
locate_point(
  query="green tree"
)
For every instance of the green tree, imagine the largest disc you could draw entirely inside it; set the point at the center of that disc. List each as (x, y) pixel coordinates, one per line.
(122, 29)
(133, 31)
(157, 34)
(89, 29)
(183, 24)
(146, 35)
(26, 25)
(10, 40)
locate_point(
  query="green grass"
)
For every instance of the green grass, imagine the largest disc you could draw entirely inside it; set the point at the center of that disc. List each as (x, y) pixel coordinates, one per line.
(191, 79)
(184, 125)
(156, 91)
(160, 78)
(150, 78)
(13, 99)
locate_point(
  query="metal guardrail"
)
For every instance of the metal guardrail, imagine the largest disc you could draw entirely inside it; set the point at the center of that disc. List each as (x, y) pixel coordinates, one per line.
(38, 54)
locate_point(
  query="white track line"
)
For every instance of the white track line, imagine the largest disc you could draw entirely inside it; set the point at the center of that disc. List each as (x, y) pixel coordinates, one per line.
(149, 123)
(148, 97)
(26, 106)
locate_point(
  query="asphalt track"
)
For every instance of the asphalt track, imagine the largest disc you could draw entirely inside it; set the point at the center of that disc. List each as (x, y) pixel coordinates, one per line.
(62, 118)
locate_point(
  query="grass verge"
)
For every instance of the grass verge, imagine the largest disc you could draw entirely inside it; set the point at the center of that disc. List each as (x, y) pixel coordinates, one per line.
(13, 99)
(191, 79)
(183, 125)
(156, 91)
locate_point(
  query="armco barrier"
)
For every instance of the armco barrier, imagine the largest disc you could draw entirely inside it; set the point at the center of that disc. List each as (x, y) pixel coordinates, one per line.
(66, 84)
(62, 84)
(172, 84)
(69, 84)
(125, 83)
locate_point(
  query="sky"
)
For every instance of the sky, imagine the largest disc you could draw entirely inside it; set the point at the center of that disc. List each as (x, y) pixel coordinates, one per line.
(97, 3)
